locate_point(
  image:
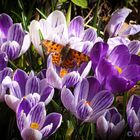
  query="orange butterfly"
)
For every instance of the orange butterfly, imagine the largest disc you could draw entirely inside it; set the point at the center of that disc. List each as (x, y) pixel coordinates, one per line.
(64, 56)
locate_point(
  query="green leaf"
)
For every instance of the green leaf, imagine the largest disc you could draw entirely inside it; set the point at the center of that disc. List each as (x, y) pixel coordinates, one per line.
(62, 1)
(68, 15)
(81, 3)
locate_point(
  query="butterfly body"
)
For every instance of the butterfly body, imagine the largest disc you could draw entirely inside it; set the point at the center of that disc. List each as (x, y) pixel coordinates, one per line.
(63, 55)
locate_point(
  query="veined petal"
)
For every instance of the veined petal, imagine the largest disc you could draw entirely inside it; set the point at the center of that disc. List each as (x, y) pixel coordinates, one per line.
(5, 23)
(12, 48)
(37, 115)
(35, 38)
(76, 27)
(120, 56)
(21, 77)
(31, 134)
(117, 19)
(55, 119)
(71, 79)
(16, 33)
(3, 60)
(32, 85)
(26, 44)
(134, 47)
(131, 30)
(53, 79)
(68, 100)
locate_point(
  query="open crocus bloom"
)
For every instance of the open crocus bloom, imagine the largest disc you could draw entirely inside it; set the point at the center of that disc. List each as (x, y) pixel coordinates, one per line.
(23, 84)
(54, 28)
(88, 101)
(14, 40)
(5, 74)
(117, 26)
(115, 71)
(133, 114)
(33, 122)
(110, 125)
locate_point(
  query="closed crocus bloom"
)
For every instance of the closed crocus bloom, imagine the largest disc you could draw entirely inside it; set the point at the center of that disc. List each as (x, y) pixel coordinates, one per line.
(133, 115)
(88, 101)
(33, 122)
(110, 125)
(24, 84)
(14, 40)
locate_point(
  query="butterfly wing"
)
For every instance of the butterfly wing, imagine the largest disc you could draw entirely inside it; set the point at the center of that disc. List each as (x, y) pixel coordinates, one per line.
(78, 57)
(51, 47)
(56, 59)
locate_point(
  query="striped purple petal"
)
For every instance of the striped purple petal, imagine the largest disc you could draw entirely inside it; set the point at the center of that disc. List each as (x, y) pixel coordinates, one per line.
(55, 119)
(32, 85)
(38, 114)
(5, 23)
(3, 60)
(11, 48)
(21, 77)
(16, 33)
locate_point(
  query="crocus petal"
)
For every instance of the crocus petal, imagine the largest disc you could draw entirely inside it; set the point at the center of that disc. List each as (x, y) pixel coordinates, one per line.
(55, 119)
(12, 101)
(16, 33)
(15, 90)
(53, 79)
(5, 72)
(71, 79)
(90, 35)
(35, 38)
(5, 23)
(31, 134)
(120, 56)
(132, 72)
(102, 127)
(105, 69)
(21, 77)
(76, 27)
(32, 85)
(134, 47)
(94, 87)
(98, 52)
(12, 49)
(26, 44)
(131, 30)
(99, 103)
(67, 99)
(3, 60)
(83, 110)
(42, 74)
(36, 117)
(117, 19)
(135, 59)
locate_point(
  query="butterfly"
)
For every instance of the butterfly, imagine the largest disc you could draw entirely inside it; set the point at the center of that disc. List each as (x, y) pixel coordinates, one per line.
(63, 55)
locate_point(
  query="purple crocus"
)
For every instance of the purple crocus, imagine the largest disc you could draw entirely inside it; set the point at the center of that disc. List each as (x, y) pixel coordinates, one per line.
(5, 74)
(133, 115)
(110, 125)
(88, 101)
(117, 26)
(24, 84)
(13, 40)
(115, 71)
(33, 122)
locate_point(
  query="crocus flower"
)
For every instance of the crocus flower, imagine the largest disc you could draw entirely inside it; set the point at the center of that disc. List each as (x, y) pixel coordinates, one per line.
(110, 125)
(5, 74)
(23, 84)
(115, 71)
(88, 101)
(117, 26)
(13, 40)
(133, 115)
(55, 28)
(33, 122)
